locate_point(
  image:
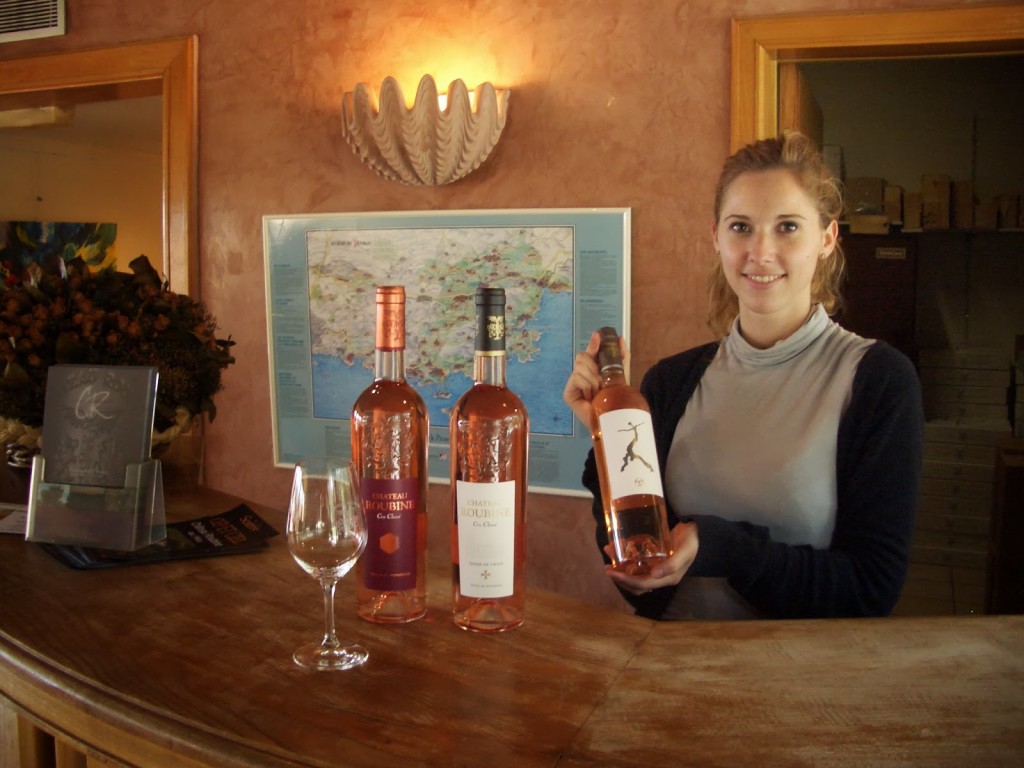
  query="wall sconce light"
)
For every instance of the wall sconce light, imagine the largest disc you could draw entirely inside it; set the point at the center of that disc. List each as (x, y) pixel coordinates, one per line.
(437, 141)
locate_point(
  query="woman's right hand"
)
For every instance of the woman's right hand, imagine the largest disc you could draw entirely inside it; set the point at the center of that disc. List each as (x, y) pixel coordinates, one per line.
(585, 379)
(685, 543)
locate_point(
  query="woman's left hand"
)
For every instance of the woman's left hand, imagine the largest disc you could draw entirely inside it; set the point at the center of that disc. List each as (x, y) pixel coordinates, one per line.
(667, 573)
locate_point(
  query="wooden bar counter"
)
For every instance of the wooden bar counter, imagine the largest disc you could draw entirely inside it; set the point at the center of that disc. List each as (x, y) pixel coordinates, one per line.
(189, 664)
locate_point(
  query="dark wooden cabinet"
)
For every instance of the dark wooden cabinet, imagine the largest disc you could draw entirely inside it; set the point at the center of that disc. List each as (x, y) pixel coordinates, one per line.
(1006, 570)
(880, 292)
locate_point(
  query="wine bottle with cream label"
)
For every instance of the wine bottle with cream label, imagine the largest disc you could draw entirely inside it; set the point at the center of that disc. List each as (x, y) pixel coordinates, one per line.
(489, 444)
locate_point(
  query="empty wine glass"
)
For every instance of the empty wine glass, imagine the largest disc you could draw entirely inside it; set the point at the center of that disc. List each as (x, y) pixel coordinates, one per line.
(326, 534)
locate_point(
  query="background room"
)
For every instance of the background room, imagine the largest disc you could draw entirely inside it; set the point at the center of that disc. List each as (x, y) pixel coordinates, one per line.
(613, 104)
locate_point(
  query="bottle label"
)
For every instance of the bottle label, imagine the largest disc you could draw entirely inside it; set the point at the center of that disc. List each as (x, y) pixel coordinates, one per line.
(630, 453)
(391, 508)
(487, 538)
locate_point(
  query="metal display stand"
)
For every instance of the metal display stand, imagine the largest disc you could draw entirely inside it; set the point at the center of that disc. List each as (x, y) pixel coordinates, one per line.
(122, 519)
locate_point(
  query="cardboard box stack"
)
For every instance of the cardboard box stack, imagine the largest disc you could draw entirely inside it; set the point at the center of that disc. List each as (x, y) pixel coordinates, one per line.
(963, 204)
(865, 205)
(912, 205)
(873, 205)
(966, 419)
(966, 384)
(893, 201)
(936, 195)
(864, 195)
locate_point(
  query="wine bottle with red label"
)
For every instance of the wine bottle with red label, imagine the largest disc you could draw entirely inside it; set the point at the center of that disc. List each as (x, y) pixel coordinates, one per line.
(389, 447)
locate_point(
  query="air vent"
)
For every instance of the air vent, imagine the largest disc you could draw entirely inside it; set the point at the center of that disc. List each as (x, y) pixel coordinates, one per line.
(26, 19)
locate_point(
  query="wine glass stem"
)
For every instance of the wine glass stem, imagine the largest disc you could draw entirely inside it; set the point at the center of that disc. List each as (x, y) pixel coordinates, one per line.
(330, 638)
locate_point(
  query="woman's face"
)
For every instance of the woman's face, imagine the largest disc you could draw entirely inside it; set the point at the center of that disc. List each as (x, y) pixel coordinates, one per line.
(770, 239)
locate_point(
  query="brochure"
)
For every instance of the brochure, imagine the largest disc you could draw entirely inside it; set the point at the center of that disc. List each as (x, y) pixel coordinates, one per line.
(97, 420)
(235, 532)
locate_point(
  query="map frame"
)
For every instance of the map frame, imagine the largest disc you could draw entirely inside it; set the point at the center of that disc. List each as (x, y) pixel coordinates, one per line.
(600, 296)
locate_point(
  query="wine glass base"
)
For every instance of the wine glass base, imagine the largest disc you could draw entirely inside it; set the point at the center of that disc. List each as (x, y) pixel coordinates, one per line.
(325, 658)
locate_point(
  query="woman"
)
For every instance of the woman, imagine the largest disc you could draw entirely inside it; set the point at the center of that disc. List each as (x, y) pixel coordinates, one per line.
(790, 450)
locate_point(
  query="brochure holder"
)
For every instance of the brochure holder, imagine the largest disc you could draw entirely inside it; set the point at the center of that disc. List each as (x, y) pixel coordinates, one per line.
(122, 519)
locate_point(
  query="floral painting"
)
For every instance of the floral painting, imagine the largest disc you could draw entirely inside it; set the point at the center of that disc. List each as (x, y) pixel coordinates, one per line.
(48, 243)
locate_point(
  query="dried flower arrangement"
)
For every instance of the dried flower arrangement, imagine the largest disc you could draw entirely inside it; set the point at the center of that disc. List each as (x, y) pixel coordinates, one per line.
(73, 315)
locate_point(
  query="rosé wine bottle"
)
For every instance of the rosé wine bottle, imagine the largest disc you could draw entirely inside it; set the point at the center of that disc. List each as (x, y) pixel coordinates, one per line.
(489, 444)
(389, 448)
(627, 466)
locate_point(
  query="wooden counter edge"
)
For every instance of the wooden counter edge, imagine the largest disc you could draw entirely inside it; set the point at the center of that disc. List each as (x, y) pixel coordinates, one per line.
(100, 722)
(89, 716)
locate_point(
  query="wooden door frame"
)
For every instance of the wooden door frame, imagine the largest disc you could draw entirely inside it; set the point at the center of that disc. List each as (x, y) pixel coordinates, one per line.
(168, 67)
(760, 44)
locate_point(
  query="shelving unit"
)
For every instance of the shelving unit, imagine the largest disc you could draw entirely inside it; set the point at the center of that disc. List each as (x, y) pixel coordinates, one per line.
(953, 301)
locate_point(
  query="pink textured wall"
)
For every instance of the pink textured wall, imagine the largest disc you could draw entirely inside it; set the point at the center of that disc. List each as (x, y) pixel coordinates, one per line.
(614, 103)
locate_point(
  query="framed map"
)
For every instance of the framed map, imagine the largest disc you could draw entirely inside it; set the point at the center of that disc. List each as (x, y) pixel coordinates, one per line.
(565, 273)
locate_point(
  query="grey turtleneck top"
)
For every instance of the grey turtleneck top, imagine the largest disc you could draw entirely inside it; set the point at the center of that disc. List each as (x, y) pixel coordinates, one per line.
(802, 480)
(757, 442)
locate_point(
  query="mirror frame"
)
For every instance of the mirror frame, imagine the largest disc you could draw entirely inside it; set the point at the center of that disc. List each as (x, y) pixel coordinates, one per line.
(760, 44)
(170, 65)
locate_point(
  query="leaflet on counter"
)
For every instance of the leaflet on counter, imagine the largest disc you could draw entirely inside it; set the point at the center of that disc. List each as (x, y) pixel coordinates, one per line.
(235, 532)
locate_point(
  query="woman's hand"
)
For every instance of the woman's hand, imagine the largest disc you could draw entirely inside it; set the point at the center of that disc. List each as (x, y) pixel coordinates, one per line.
(685, 544)
(585, 379)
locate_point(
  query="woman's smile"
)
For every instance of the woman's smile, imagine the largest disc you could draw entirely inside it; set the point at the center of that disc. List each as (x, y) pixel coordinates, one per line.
(764, 279)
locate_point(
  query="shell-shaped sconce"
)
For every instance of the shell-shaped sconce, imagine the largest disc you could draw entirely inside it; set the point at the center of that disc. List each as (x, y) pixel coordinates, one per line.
(424, 145)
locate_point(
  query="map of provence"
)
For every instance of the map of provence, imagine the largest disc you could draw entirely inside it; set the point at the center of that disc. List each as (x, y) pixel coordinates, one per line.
(441, 269)
(565, 272)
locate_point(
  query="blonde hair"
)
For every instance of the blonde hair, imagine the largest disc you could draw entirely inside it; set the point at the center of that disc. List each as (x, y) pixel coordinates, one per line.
(797, 154)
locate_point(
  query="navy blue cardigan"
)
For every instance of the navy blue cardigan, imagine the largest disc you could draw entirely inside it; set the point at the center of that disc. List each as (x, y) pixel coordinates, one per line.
(878, 463)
